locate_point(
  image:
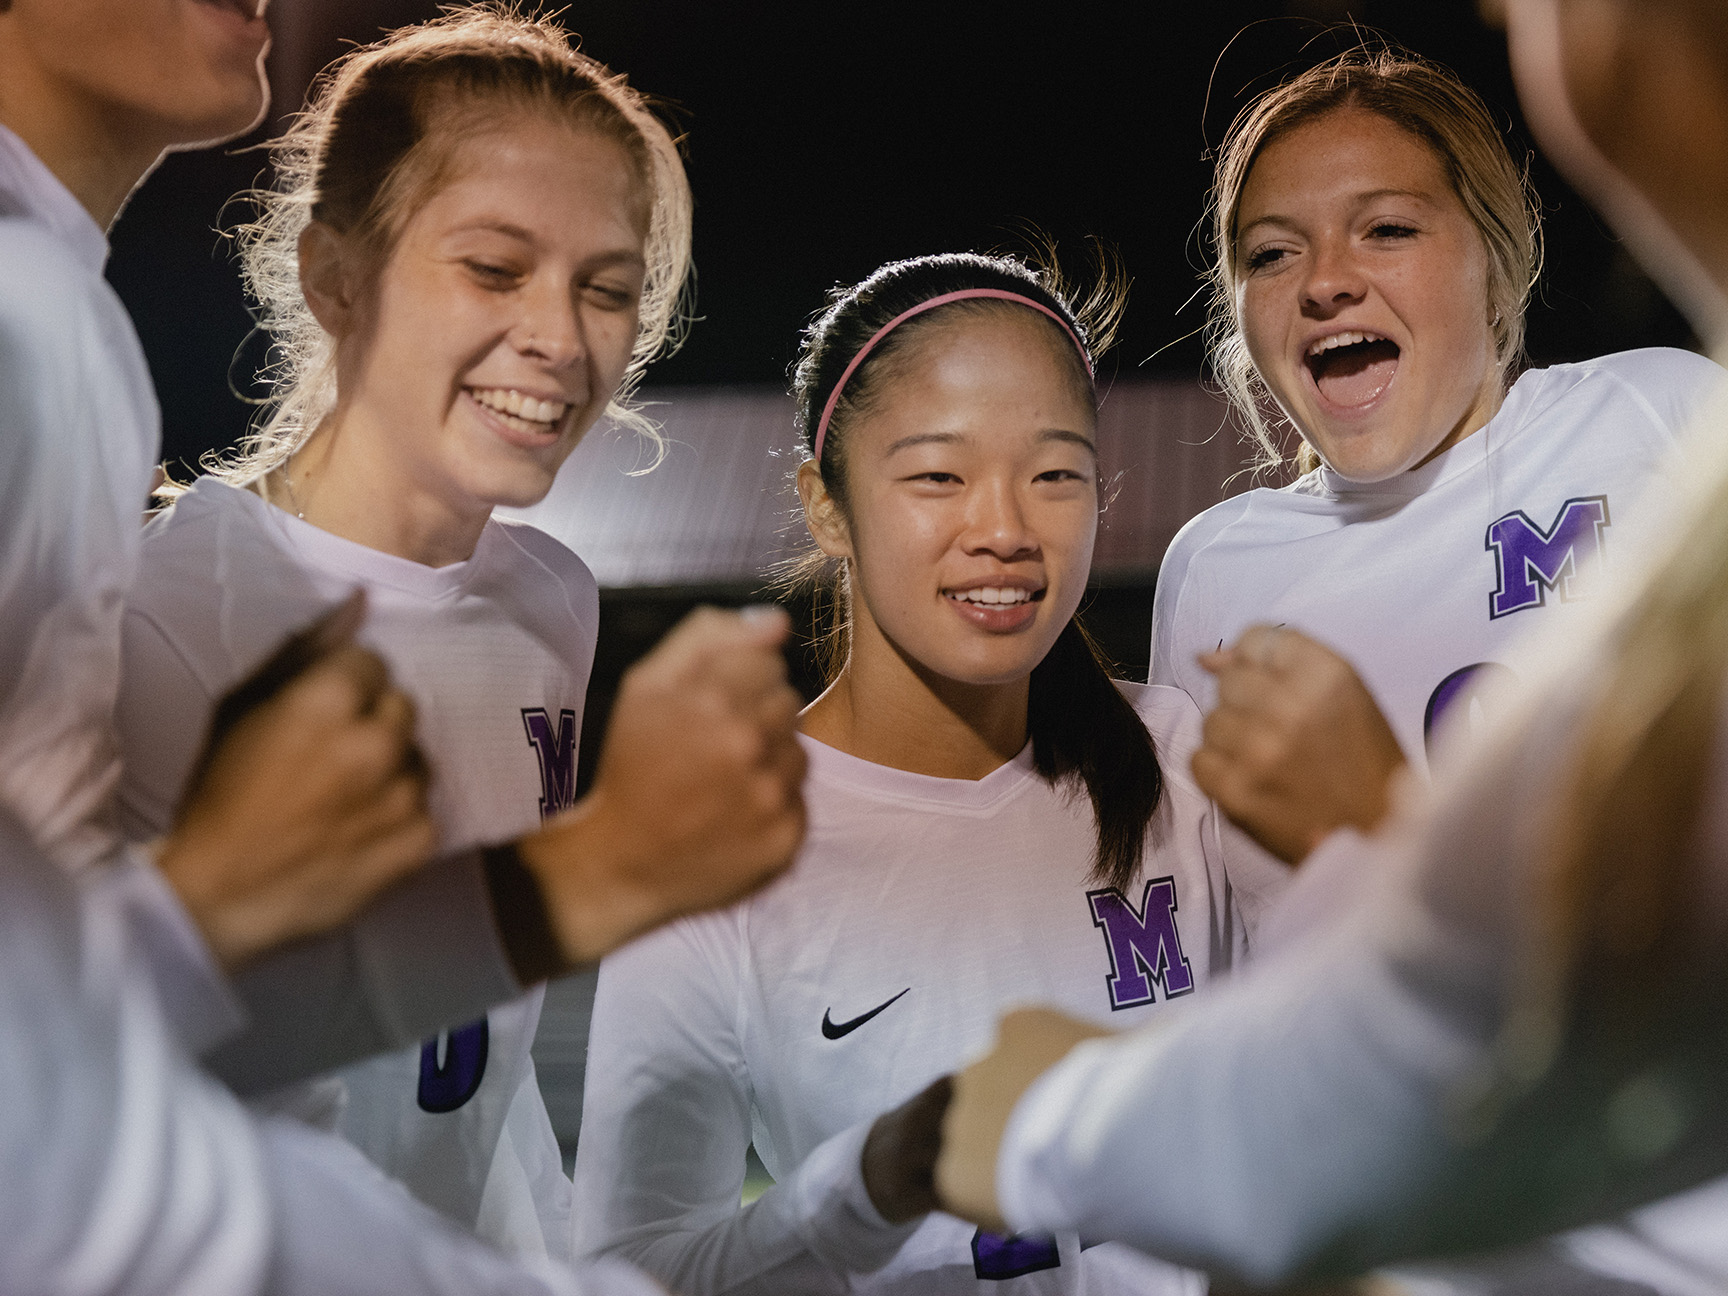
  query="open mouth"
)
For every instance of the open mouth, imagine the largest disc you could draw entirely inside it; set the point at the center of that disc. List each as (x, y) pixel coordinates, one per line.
(1352, 369)
(524, 413)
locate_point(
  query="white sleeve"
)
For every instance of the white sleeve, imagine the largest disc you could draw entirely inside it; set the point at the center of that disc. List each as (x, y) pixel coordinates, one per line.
(1258, 881)
(1329, 1110)
(194, 991)
(131, 1174)
(1172, 612)
(1672, 385)
(74, 469)
(344, 1229)
(666, 1123)
(1165, 595)
(127, 1171)
(162, 715)
(424, 956)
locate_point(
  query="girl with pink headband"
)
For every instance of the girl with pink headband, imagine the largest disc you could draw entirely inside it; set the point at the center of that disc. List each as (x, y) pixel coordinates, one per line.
(992, 819)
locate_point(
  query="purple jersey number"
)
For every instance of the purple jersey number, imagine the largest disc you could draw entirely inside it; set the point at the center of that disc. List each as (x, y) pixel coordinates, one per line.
(997, 1257)
(446, 1085)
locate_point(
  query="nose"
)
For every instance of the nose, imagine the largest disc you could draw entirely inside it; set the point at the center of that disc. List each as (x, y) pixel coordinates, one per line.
(551, 328)
(1334, 279)
(996, 523)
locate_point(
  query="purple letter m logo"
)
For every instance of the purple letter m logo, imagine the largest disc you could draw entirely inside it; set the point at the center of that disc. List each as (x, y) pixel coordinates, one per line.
(1532, 561)
(1144, 947)
(556, 749)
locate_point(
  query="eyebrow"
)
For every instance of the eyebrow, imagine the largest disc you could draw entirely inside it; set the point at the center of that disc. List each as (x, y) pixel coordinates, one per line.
(1372, 195)
(955, 438)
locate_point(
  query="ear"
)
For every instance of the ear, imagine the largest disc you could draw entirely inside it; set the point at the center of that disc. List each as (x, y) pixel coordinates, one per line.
(324, 278)
(822, 513)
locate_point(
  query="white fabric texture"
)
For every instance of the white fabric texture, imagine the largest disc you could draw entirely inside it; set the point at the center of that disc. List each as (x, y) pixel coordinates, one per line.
(79, 433)
(1401, 576)
(137, 1176)
(495, 653)
(81, 430)
(130, 1172)
(925, 907)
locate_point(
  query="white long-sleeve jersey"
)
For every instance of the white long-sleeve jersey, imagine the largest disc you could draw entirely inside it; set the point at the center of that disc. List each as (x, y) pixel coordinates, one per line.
(133, 1174)
(79, 433)
(495, 652)
(1426, 581)
(919, 910)
(129, 1172)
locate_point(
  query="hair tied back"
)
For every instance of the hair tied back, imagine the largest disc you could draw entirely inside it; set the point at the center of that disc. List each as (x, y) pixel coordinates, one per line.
(963, 294)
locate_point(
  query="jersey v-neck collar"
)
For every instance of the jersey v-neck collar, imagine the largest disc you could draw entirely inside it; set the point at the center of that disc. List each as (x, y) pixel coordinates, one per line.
(860, 777)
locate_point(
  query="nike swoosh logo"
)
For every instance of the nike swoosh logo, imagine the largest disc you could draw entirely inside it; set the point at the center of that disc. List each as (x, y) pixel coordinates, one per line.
(831, 1030)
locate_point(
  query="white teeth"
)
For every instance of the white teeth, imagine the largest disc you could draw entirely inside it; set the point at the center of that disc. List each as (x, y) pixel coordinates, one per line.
(1337, 340)
(993, 595)
(507, 400)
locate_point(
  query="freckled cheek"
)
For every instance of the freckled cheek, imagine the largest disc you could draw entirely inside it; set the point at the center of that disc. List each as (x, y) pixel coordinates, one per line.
(1266, 325)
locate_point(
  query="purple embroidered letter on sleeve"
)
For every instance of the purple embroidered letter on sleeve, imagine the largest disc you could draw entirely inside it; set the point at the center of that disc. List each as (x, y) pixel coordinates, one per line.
(556, 748)
(1145, 947)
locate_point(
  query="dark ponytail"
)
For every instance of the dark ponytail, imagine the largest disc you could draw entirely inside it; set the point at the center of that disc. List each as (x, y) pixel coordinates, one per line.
(1085, 734)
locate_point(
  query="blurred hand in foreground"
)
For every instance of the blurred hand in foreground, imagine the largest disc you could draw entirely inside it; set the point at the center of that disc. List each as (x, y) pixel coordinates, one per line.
(697, 800)
(308, 800)
(1296, 746)
(900, 1154)
(1029, 1041)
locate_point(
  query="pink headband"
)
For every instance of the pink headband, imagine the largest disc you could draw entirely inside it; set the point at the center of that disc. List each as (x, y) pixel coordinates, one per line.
(965, 293)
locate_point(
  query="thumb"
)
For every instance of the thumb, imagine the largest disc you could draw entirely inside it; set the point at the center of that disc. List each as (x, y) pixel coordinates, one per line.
(765, 624)
(1217, 662)
(337, 627)
(303, 649)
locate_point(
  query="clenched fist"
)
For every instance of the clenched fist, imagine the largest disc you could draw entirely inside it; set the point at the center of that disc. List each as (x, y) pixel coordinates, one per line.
(1296, 746)
(309, 798)
(1029, 1041)
(697, 800)
(899, 1159)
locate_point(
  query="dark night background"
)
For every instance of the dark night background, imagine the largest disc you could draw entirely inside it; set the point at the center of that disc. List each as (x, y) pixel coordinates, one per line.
(825, 140)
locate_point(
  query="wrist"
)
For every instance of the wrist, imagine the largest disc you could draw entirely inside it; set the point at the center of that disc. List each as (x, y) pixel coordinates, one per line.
(523, 915)
(584, 865)
(178, 863)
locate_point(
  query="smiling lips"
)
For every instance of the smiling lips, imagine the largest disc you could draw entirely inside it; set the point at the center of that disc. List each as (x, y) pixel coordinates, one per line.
(525, 413)
(1352, 368)
(995, 595)
(997, 609)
